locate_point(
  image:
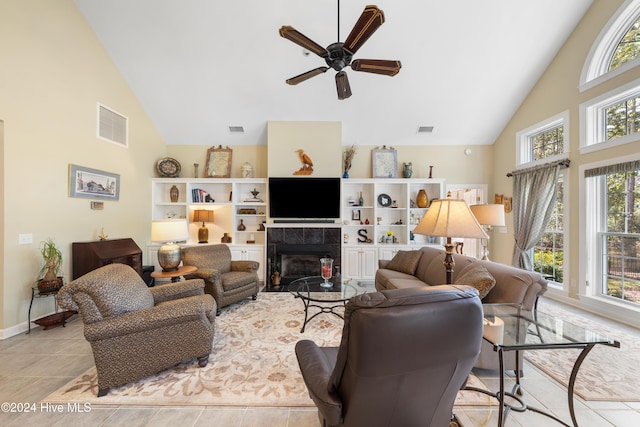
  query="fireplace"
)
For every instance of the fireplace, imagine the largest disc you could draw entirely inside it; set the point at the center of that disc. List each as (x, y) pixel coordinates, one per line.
(302, 260)
(296, 251)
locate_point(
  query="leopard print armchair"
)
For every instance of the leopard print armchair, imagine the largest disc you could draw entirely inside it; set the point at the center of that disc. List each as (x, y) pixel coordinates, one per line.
(136, 331)
(228, 281)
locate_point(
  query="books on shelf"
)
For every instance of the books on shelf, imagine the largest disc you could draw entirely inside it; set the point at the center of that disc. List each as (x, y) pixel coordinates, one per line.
(200, 196)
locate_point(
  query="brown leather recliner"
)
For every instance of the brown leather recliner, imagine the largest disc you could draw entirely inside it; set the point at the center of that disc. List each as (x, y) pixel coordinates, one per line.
(404, 355)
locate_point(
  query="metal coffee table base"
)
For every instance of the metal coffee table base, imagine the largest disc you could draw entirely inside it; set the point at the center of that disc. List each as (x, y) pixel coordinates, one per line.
(505, 408)
(323, 309)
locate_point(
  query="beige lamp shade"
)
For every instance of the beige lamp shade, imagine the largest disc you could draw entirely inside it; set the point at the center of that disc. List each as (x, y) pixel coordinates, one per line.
(490, 214)
(450, 218)
(202, 215)
(168, 232)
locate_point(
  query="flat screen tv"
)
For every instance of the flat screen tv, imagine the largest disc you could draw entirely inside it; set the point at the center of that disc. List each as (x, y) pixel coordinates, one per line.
(304, 199)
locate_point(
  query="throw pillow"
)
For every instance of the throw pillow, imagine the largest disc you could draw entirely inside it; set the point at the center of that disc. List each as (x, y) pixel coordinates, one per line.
(405, 261)
(477, 276)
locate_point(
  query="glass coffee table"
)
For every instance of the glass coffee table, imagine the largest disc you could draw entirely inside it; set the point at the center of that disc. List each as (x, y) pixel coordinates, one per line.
(328, 300)
(511, 328)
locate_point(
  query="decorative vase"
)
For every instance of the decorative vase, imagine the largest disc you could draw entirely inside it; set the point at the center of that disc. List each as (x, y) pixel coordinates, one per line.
(407, 170)
(422, 200)
(345, 174)
(174, 193)
(242, 227)
(225, 238)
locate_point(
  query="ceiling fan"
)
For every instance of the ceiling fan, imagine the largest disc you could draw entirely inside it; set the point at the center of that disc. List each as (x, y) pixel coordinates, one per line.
(340, 55)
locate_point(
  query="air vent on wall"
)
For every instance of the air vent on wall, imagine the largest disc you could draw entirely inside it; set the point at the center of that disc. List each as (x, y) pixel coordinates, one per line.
(112, 126)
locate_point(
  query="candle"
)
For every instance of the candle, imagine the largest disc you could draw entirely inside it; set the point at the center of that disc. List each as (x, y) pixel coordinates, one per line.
(326, 271)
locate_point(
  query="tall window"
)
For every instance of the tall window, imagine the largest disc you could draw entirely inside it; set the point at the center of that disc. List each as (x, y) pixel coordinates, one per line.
(542, 143)
(615, 191)
(548, 253)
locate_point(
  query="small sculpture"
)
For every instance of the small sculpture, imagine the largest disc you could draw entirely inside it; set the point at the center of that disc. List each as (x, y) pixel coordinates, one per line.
(307, 164)
(102, 236)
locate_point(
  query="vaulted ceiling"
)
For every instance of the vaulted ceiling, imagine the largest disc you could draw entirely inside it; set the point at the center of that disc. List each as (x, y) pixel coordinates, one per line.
(200, 66)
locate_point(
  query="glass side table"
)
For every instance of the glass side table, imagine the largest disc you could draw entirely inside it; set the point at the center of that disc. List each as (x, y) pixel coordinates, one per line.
(511, 328)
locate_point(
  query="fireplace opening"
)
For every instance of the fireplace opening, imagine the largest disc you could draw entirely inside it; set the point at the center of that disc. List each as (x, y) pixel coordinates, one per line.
(296, 261)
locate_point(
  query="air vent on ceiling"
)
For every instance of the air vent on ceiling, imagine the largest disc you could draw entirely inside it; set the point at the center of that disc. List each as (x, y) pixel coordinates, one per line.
(236, 129)
(425, 129)
(112, 126)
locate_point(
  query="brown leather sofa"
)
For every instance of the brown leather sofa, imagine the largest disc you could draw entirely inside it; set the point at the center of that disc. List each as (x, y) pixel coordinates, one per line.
(403, 357)
(512, 285)
(134, 330)
(228, 281)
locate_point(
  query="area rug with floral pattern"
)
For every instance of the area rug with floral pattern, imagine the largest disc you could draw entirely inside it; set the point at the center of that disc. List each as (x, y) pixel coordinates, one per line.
(253, 363)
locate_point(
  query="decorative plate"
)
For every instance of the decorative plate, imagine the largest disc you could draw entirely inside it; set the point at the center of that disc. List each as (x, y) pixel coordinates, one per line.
(384, 200)
(168, 167)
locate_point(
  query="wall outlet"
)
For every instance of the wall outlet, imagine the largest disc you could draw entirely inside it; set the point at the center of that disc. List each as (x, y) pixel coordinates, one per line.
(25, 239)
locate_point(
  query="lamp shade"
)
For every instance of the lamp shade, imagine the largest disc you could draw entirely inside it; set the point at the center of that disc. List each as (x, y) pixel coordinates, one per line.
(491, 214)
(202, 215)
(450, 218)
(169, 230)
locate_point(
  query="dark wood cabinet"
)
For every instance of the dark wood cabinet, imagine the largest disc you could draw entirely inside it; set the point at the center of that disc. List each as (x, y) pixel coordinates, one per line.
(88, 256)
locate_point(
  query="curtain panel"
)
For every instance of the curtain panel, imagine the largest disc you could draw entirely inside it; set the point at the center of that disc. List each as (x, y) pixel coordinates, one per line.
(534, 194)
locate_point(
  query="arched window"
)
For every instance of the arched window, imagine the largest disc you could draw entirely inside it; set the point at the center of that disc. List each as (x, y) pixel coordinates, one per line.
(628, 47)
(616, 49)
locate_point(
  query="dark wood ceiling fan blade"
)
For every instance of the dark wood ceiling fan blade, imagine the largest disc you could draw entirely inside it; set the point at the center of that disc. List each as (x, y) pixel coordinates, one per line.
(300, 39)
(377, 66)
(367, 24)
(306, 76)
(342, 85)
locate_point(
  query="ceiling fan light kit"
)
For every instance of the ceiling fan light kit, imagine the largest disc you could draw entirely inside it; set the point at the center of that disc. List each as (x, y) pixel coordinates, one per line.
(340, 55)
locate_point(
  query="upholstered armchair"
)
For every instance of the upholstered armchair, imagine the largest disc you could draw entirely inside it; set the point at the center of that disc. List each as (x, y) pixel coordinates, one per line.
(404, 355)
(134, 330)
(228, 281)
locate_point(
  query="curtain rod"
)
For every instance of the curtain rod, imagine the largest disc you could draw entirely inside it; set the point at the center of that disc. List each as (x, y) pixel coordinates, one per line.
(564, 162)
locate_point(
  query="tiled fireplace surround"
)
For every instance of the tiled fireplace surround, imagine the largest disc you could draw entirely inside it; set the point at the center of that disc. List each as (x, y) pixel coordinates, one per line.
(304, 244)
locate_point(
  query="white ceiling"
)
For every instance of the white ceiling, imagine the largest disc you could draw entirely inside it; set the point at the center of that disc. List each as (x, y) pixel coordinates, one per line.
(199, 66)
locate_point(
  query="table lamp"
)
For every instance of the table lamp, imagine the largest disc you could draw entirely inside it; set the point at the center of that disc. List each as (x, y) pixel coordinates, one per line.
(204, 216)
(169, 231)
(488, 215)
(450, 218)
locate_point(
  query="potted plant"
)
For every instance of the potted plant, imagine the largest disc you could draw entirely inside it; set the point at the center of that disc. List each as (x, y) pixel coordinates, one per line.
(49, 279)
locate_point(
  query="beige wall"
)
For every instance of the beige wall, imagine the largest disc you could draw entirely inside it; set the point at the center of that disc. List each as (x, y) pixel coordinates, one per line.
(557, 91)
(54, 71)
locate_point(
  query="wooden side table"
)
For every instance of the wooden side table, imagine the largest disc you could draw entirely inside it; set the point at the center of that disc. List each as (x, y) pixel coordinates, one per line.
(176, 274)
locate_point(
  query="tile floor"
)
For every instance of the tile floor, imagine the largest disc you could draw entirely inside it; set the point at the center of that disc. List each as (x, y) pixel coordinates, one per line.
(34, 365)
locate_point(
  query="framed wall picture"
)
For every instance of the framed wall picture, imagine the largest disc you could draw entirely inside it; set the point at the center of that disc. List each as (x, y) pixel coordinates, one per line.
(218, 162)
(355, 214)
(93, 183)
(384, 163)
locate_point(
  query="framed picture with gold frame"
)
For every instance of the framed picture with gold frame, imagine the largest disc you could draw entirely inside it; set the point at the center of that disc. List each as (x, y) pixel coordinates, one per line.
(218, 162)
